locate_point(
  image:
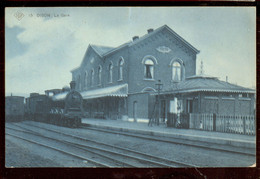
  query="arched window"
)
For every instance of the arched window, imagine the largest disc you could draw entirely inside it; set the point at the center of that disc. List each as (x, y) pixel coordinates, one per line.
(92, 77)
(85, 79)
(149, 69)
(120, 69)
(176, 71)
(110, 76)
(79, 84)
(99, 74)
(148, 89)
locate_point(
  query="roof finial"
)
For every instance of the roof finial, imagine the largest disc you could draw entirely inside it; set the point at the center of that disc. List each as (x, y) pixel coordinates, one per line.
(201, 72)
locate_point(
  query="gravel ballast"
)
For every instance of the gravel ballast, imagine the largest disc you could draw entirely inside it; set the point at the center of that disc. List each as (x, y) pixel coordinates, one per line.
(17, 156)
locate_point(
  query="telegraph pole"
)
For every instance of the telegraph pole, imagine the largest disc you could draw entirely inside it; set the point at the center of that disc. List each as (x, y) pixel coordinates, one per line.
(159, 86)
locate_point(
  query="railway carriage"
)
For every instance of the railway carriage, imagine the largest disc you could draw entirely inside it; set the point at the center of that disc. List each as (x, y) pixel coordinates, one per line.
(14, 108)
(37, 107)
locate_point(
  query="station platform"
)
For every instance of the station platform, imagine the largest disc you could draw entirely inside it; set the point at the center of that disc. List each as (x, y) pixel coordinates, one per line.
(237, 140)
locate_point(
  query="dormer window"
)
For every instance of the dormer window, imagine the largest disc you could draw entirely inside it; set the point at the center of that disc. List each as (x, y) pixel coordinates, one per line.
(149, 69)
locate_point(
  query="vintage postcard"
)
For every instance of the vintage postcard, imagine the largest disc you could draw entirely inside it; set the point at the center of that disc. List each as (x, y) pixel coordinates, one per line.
(130, 87)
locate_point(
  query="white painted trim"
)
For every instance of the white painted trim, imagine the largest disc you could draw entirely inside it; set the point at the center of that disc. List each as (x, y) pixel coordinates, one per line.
(149, 79)
(210, 97)
(143, 90)
(100, 67)
(244, 99)
(176, 60)
(120, 59)
(111, 63)
(139, 120)
(149, 57)
(208, 90)
(182, 67)
(137, 93)
(228, 98)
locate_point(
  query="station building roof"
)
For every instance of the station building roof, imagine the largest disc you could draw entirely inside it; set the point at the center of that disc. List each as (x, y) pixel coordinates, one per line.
(101, 50)
(104, 51)
(204, 83)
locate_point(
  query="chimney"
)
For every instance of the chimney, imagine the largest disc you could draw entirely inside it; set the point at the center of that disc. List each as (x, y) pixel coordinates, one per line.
(135, 38)
(72, 85)
(226, 78)
(149, 31)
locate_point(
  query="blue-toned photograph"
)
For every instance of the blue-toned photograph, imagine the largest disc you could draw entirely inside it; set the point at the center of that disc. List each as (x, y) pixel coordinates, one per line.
(130, 87)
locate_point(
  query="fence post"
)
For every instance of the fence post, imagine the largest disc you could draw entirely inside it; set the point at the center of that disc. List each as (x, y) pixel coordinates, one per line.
(244, 125)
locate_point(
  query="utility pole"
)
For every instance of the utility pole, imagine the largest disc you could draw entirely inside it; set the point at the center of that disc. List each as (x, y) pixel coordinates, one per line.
(159, 86)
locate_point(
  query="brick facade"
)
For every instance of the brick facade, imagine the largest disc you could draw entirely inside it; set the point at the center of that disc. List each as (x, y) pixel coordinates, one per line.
(159, 55)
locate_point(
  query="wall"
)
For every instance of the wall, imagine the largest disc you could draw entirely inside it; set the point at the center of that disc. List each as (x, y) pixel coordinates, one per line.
(92, 60)
(142, 105)
(227, 103)
(163, 69)
(114, 59)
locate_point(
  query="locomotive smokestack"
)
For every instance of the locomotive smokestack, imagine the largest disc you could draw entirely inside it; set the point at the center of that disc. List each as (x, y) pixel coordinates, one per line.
(72, 85)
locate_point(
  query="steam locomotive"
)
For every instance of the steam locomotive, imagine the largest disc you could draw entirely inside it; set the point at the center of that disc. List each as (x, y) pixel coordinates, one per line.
(59, 107)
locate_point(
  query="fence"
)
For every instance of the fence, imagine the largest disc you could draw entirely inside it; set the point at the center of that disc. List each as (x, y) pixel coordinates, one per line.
(223, 123)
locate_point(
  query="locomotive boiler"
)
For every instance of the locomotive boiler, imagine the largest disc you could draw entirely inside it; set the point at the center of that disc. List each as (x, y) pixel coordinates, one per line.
(59, 107)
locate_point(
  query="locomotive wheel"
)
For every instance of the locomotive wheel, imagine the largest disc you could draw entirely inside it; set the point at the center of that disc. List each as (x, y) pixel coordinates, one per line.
(73, 123)
(66, 122)
(59, 122)
(78, 122)
(56, 121)
(63, 121)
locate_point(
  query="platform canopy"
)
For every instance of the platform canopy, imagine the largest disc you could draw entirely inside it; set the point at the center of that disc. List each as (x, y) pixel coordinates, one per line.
(115, 91)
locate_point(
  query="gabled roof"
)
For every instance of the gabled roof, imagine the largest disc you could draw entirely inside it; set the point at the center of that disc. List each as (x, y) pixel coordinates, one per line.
(117, 48)
(206, 83)
(104, 51)
(101, 50)
(74, 69)
(171, 31)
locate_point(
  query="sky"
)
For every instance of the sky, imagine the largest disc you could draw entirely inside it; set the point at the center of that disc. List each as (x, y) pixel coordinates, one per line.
(42, 45)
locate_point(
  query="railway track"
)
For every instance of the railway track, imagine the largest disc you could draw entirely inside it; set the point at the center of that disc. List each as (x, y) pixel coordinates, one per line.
(197, 144)
(122, 156)
(57, 149)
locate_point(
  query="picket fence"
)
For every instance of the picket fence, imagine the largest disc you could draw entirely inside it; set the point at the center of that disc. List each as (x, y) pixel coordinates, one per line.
(241, 124)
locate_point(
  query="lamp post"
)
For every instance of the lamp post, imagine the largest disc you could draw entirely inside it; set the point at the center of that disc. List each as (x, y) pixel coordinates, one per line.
(159, 86)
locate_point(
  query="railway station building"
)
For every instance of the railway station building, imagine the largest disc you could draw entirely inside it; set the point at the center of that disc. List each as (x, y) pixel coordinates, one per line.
(120, 82)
